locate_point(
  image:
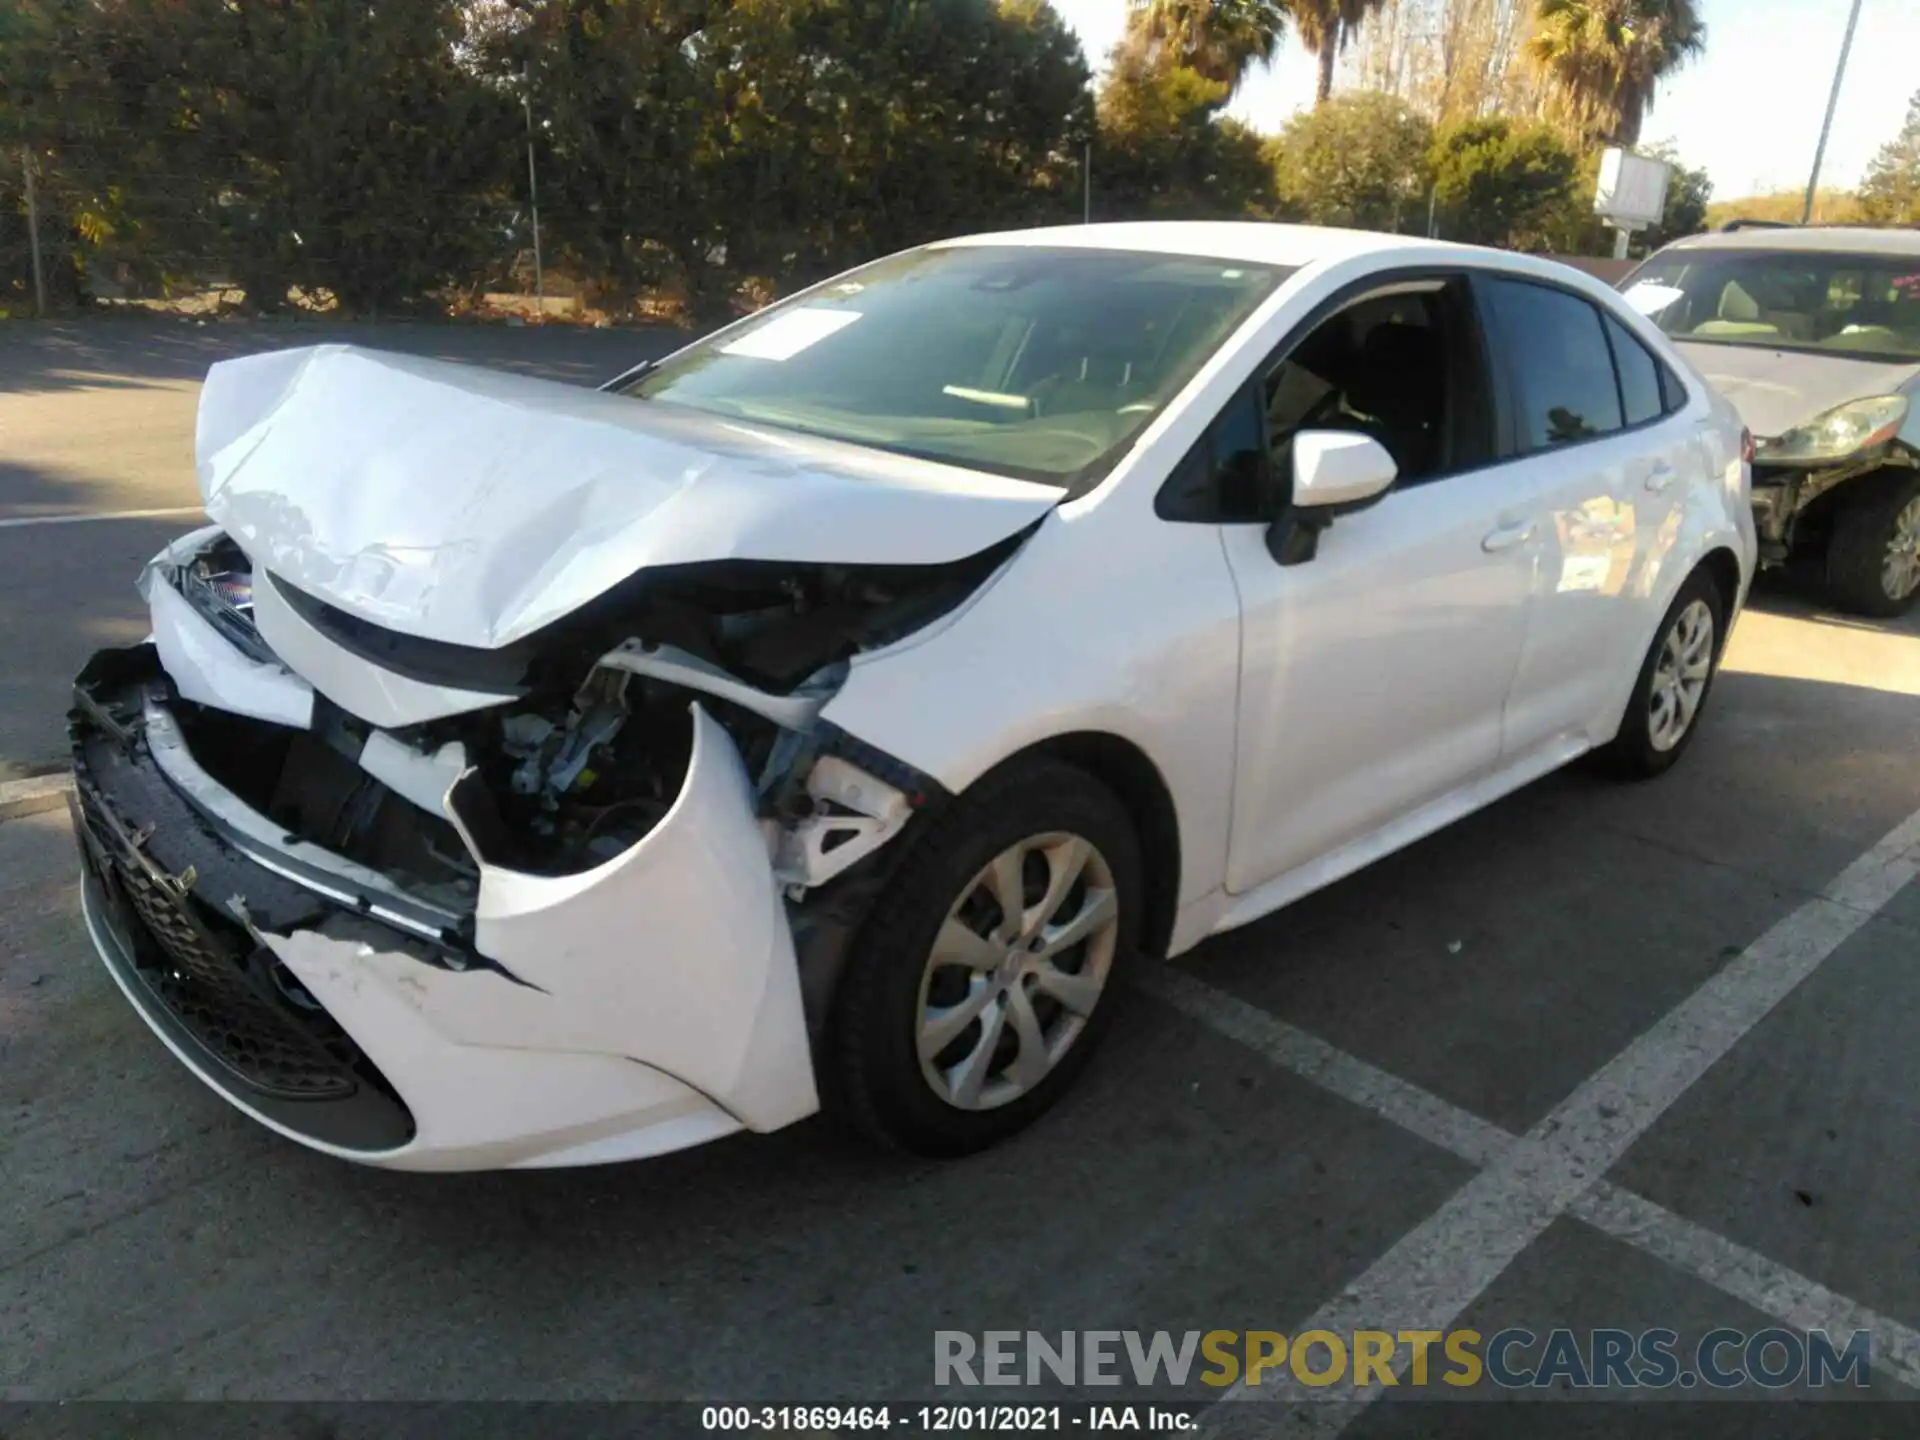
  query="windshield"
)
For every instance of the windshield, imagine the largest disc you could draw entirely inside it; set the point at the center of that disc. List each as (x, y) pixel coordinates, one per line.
(1864, 306)
(1033, 363)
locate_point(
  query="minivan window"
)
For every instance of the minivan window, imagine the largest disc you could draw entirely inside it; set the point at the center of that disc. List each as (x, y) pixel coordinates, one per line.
(1804, 300)
(1557, 355)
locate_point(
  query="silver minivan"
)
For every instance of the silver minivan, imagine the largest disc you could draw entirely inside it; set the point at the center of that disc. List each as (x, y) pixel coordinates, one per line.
(1814, 334)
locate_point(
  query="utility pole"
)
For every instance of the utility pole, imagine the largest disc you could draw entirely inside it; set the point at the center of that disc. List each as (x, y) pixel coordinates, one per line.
(1086, 186)
(533, 198)
(1833, 99)
(33, 234)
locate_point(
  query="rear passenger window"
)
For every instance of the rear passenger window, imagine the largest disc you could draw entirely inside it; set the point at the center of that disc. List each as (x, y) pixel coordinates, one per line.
(1558, 357)
(1639, 374)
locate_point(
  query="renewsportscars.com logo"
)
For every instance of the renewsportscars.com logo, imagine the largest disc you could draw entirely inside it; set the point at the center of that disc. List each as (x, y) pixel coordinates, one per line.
(1513, 1359)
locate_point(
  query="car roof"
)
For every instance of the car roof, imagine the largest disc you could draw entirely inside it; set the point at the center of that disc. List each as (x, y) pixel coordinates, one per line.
(1827, 239)
(1251, 241)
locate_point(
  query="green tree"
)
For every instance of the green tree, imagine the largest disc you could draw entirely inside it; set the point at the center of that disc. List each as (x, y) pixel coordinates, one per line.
(1890, 193)
(1498, 183)
(1325, 28)
(697, 141)
(1220, 40)
(1603, 59)
(1163, 151)
(1689, 193)
(50, 111)
(323, 143)
(1360, 160)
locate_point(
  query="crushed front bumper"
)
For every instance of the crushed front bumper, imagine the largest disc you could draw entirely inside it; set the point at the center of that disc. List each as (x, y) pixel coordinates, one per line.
(640, 1007)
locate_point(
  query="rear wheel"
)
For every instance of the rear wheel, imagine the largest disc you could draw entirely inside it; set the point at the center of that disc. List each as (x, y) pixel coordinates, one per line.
(1873, 559)
(1674, 681)
(985, 975)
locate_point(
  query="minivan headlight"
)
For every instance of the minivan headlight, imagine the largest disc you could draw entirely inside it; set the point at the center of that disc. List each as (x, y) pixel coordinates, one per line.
(1844, 430)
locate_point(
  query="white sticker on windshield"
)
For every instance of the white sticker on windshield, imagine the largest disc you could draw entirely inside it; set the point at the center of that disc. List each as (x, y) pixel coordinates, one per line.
(1650, 298)
(787, 334)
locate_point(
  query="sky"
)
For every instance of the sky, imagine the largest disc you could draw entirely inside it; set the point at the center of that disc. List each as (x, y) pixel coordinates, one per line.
(1748, 110)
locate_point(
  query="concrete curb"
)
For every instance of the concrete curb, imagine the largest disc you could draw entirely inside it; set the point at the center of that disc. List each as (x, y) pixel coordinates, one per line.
(31, 796)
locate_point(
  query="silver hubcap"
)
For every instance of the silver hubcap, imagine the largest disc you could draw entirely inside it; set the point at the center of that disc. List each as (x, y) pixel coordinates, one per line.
(1016, 970)
(1680, 675)
(1901, 574)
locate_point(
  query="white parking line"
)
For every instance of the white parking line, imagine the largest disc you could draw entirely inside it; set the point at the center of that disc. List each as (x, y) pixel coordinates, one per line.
(1769, 1287)
(30, 796)
(1435, 1271)
(20, 522)
(1438, 1122)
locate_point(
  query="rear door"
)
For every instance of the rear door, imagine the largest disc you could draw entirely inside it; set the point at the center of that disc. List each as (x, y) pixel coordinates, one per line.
(1605, 465)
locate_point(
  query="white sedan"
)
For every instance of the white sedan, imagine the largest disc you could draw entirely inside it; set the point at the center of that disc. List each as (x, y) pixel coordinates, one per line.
(518, 775)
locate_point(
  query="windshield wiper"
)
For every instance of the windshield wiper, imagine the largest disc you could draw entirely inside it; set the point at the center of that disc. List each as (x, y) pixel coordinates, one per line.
(627, 377)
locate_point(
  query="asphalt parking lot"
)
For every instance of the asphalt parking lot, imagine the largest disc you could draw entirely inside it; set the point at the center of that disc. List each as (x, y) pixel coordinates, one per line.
(1599, 1056)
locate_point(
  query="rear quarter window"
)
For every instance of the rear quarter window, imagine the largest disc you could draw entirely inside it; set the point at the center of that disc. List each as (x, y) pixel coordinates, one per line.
(1640, 381)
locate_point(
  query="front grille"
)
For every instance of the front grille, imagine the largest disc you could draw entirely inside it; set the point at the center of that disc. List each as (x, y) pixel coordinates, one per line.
(159, 883)
(202, 977)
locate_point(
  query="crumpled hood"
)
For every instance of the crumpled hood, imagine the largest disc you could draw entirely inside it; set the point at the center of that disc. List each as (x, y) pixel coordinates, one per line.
(1775, 390)
(466, 505)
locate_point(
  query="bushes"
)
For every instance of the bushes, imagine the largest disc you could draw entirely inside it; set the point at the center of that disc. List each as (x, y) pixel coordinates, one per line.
(1497, 183)
(1358, 160)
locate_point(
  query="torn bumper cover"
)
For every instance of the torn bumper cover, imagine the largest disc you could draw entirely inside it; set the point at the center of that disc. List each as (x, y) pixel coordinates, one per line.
(644, 1004)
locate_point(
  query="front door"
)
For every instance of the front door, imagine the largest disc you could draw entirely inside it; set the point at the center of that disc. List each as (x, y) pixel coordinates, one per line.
(1373, 675)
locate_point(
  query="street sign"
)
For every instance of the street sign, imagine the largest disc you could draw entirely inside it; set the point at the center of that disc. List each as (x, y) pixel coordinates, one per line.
(1632, 193)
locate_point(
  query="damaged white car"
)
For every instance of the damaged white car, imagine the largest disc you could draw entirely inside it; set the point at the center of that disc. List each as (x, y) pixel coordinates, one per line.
(519, 775)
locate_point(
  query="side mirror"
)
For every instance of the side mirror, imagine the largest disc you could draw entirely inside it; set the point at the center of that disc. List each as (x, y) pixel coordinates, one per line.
(1335, 472)
(1339, 468)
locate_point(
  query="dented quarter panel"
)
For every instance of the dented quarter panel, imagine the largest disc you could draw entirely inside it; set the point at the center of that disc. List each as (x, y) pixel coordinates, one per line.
(473, 507)
(1061, 646)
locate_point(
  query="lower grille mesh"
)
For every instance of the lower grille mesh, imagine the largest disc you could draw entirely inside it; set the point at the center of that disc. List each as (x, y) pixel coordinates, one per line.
(201, 979)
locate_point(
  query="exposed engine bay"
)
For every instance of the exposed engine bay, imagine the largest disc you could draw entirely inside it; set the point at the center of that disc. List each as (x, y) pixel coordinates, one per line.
(592, 753)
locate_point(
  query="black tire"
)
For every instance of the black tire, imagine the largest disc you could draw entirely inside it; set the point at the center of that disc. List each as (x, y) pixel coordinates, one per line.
(1863, 530)
(873, 1045)
(1633, 753)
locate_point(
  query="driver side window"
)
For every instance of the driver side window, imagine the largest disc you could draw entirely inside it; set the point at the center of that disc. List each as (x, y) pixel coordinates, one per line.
(1401, 368)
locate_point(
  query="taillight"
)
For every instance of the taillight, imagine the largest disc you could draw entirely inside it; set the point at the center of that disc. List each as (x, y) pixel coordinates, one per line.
(1746, 445)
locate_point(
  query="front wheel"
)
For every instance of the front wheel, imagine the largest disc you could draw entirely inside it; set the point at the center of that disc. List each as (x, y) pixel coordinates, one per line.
(984, 977)
(1673, 684)
(1873, 559)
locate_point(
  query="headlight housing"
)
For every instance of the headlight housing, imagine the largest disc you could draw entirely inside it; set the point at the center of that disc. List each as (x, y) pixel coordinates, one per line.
(1844, 430)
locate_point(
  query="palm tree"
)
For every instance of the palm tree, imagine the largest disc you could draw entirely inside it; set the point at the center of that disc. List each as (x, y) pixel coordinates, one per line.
(1325, 28)
(1603, 59)
(1220, 39)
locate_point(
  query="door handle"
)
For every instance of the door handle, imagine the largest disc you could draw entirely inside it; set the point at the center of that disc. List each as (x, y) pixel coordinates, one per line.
(1660, 477)
(1506, 537)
